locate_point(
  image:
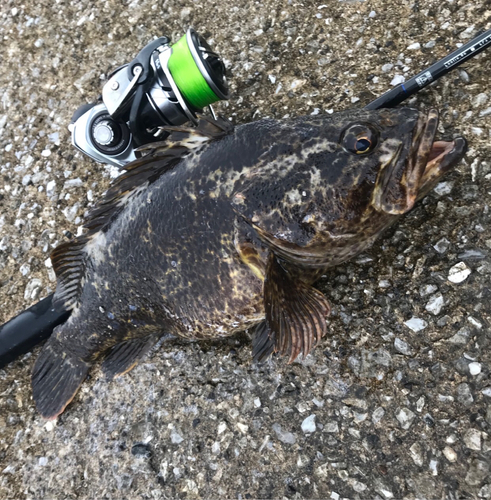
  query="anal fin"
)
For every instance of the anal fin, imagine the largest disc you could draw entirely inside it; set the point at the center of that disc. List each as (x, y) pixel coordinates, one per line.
(56, 378)
(124, 357)
(295, 312)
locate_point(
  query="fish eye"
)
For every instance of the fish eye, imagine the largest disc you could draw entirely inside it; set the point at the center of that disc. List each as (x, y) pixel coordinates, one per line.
(359, 139)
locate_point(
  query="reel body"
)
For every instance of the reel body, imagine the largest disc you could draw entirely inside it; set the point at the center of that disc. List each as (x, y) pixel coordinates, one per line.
(164, 85)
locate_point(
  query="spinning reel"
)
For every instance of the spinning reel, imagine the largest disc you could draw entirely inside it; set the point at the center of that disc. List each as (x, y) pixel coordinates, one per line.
(164, 85)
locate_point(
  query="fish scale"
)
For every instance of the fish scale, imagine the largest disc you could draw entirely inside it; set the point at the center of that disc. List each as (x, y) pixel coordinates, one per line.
(220, 229)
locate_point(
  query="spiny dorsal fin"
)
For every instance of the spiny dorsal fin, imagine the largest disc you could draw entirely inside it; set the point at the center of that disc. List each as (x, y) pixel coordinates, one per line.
(69, 265)
(69, 258)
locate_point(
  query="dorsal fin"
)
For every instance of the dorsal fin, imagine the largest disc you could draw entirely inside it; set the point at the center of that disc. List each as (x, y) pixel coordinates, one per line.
(69, 259)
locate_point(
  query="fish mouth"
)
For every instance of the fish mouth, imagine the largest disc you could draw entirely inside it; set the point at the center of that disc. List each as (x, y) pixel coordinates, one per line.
(431, 159)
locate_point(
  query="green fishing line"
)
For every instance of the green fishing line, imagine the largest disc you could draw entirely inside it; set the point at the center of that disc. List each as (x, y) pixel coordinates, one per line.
(188, 77)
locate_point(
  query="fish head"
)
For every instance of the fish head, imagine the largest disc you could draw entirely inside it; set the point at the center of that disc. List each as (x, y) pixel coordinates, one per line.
(336, 182)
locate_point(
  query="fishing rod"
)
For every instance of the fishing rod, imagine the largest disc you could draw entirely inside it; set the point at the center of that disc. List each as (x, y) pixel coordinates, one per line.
(401, 92)
(35, 324)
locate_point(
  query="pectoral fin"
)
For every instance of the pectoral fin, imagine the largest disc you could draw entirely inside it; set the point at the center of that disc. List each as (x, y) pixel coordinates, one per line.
(295, 313)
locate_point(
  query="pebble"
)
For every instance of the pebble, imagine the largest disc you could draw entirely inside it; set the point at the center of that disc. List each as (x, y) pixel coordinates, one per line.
(441, 246)
(430, 44)
(485, 491)
(485, 112)
(387, 67)
(471, 255)
(461, 337)
(434, 467)
(414, 46)
(50, 189)
(73, 183)
(480, 99)
(474, 368)
(417, 454)
(464, 76)
(477, 472)
(284, 437)
(427, 290)
(459, 273)
(472, 439)
(397, 80)
(464, 395)
(175, 437)
(435, 304)
(33, 289)
(416, 324)
(450, 454)
(405, 417)
(443, 188)
(308, 425)
(25, 269)
(378, 414)
(402, 347)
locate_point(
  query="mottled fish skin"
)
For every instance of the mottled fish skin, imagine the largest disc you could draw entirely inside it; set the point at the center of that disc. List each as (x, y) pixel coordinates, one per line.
(187, 254)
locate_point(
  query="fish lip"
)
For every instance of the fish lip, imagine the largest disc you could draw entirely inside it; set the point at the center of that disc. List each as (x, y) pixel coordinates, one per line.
(431, 159)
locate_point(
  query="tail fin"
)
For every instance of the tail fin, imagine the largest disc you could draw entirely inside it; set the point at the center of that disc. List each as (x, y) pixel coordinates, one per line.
(56, 378)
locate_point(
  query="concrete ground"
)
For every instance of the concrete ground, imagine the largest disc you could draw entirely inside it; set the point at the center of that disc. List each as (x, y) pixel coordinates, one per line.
(395, 403)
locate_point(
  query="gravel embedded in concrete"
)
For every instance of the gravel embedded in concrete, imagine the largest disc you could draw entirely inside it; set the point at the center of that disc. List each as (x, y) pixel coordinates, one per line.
(399, 412)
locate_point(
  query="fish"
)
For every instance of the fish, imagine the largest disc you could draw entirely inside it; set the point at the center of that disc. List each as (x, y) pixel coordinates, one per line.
(219, 229)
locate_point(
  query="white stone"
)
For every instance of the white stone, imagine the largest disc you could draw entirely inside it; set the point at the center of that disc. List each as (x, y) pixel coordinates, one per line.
(474, 368)
(50, 188)
(175, 437)
(33, 288)
(73, 183)
(434, 467)
(416, 324)
(397, 80)
(387, 67)
(242, 427)
(480, 99)
(417, 454)
(459, 273)
(414, 46)
(450, 454)
(402, 347)
(472, 439)
(405, 417)
(308, 425)
(443, 188)
(442, 245)
(435, 304)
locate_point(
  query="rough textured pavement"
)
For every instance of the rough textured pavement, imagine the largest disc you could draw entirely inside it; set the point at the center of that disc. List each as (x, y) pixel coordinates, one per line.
(395, 403)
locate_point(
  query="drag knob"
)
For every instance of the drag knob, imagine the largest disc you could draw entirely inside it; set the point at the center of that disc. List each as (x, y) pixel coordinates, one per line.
(104, 133)
(108, 135)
